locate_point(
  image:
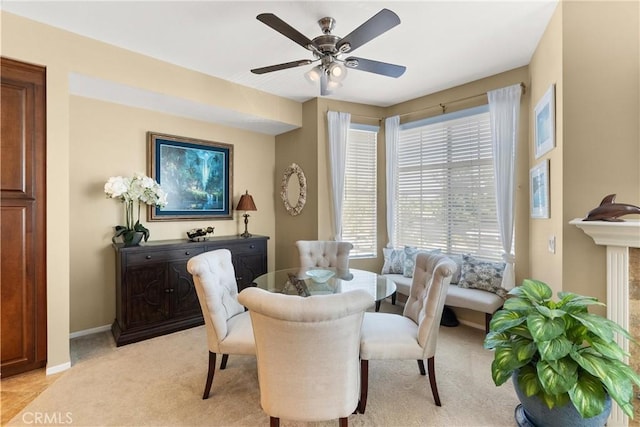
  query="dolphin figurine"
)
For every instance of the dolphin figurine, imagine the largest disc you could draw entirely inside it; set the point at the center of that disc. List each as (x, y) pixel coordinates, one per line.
(610, 211)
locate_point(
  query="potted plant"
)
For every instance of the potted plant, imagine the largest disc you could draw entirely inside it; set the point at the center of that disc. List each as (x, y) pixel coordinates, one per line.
(137, 189)
(560, 356)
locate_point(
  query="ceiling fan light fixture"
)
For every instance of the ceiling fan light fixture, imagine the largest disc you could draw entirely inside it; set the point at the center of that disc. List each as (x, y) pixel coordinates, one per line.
(337, 72)
(313, 75)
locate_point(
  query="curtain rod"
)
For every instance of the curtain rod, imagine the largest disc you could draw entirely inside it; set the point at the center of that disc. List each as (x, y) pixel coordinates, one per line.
(441, 105)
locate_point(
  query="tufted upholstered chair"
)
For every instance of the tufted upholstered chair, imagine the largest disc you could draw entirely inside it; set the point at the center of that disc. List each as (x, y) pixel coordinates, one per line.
(307, 351)
(227, 323)
(322, 253)
(414, 334)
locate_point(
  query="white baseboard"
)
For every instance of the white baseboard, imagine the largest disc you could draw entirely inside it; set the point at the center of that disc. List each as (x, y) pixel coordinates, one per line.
(89, 331)
(58, 368)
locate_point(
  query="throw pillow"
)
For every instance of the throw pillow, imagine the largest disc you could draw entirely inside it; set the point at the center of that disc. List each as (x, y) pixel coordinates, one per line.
(485, 275)
(456, 275)
(410, 254)
(393, 261)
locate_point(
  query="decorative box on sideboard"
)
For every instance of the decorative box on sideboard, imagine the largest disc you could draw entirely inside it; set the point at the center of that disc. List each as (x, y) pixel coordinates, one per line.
(155, 294)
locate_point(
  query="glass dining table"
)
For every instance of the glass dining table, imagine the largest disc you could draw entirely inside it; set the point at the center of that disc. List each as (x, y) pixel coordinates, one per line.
(319, 281)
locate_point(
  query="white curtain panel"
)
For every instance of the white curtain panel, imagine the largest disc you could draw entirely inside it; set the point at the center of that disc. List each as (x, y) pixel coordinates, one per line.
(391, 132)
(338, 132)
(504, 110)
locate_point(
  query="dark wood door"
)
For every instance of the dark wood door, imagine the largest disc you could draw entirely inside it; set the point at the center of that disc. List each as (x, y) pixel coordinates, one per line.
(23, 327)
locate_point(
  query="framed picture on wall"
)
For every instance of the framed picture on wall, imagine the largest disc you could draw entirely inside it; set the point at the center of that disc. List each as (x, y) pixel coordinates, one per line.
(545, 129)
(539, 190)
(196, 174)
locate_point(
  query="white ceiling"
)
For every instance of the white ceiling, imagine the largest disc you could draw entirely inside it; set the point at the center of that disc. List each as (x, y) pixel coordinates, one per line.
(442, 43)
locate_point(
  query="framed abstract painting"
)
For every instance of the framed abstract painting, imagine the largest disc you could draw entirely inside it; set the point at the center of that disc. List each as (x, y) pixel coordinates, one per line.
(539, 190)
(545, 129)
(196, 174)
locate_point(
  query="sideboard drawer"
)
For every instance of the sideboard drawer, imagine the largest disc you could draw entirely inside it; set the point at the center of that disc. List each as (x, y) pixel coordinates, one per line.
(148, 257)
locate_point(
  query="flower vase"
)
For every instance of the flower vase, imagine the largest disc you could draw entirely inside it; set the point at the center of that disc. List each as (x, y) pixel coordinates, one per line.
(133, 238)
(129, 237)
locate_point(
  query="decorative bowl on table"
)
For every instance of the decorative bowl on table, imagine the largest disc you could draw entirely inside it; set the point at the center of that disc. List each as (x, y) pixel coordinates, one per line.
(320, 275)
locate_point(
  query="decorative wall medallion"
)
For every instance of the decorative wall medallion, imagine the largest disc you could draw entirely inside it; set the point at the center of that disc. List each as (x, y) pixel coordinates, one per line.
(301, 189)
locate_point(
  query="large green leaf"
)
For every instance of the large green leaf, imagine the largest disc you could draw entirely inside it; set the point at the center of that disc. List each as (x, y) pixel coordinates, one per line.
(543, 328)
(499, 374)
(598, 325)
(503, 320)
(506, 359)
(609, 349)
(553, 400)
(588, 395)
(517, 304)
(555, 380)
(550, 313)
(535, 290)
(141, 228)
(528, 381)
(614, 374)
(574, 302)
(521, 331)
(555, 349)
(495, 339)
(524, 350)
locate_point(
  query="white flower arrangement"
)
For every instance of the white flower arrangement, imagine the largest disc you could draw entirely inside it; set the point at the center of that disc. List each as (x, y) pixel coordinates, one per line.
(139, 189)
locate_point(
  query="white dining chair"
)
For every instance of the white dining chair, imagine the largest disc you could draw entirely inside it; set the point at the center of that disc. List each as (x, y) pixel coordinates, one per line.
(227, 323)
(307, 351)
(414, 334)
(324, 253)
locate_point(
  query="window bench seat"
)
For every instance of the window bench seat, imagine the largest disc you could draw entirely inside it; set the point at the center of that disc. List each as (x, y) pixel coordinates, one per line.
(473, 299)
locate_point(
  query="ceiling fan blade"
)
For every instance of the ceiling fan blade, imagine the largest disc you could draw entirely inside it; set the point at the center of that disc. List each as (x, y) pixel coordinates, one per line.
(377, 67)
(284, 66)
(380, 23)
(285, 29)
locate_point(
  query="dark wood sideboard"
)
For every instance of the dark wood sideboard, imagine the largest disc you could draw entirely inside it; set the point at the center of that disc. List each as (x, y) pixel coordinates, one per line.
(155, 294)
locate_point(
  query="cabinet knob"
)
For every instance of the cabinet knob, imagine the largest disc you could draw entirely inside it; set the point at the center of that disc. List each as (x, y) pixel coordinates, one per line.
(252, 246)
(148, 257)
(187, 253)
(166, 291)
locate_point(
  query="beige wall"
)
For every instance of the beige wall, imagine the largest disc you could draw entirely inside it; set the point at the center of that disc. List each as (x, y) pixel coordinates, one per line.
(300, 147)
(546, 69)
(601, 139)
(99, 149)
(591, 52)
(81, 156)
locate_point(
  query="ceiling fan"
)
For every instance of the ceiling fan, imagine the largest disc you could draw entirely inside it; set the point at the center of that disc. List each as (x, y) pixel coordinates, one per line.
(328, 49)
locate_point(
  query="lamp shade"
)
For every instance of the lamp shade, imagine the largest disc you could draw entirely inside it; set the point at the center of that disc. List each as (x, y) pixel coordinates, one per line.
(246, 203)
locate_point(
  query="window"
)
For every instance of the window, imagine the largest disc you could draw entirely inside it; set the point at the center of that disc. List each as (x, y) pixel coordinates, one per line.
(359, 219)
(446, 192)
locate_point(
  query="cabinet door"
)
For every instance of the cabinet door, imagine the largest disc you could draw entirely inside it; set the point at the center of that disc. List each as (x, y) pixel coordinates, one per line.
(184, 299)
(249, 262)
(146, 295)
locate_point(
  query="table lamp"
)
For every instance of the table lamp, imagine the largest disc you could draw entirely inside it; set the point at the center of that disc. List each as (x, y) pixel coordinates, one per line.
(246, 204)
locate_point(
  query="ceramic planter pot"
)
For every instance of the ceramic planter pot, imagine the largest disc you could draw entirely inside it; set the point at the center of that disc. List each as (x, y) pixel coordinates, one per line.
(533, 412)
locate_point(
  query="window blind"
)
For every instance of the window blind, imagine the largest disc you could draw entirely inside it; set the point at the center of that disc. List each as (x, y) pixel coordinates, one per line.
(359, 214)
(446, 193)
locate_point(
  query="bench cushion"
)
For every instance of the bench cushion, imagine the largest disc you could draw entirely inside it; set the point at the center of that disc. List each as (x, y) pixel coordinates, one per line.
(473, 299)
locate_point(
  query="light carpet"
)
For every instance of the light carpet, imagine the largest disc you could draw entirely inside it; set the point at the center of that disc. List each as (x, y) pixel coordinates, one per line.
(159, 382)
